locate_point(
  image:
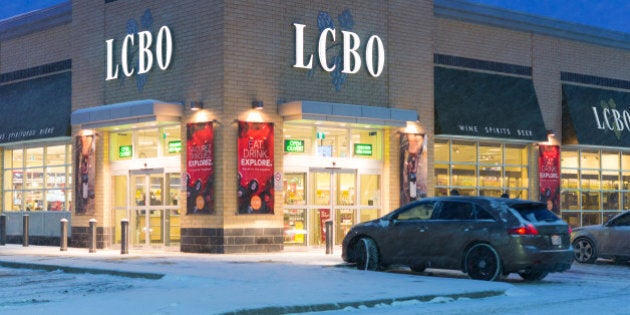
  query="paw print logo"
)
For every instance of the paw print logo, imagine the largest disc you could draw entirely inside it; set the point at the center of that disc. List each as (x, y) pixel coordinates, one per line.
(345, 22)
(146, 21)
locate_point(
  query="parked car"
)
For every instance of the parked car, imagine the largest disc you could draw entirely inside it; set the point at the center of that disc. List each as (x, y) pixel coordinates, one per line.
(484, 237)
(608, 240)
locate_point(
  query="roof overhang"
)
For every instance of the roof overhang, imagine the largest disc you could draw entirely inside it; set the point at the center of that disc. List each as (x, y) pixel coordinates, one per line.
(127, 113)
(346, 113)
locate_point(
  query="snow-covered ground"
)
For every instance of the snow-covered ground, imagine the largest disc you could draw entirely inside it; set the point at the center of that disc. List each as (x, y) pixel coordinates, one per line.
(295, 281)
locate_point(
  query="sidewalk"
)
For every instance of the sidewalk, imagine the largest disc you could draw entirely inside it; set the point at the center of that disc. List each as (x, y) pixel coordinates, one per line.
(292, 281)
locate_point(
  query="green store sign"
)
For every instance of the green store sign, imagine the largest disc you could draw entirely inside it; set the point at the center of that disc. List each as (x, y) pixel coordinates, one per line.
(174, 146)
(125, 151)
(294, 146)
(362, 149)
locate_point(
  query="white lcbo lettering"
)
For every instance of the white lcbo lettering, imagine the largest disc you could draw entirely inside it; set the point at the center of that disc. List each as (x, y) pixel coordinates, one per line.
(351, 56)
(613, 119)
(163, 53)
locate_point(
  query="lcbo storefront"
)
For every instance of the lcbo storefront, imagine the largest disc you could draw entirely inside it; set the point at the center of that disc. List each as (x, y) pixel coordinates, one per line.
(219, 127)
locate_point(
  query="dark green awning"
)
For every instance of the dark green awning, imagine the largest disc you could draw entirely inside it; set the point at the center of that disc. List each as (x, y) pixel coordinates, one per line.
(36, 109)
(592, 116)
(476, 104)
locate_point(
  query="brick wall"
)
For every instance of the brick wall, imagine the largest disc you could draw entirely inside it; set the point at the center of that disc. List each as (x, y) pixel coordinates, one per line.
(230, 53)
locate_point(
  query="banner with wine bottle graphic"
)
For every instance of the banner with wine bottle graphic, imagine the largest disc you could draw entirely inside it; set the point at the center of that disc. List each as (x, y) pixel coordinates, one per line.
(200, 168)
(255, 168)
(85, 178)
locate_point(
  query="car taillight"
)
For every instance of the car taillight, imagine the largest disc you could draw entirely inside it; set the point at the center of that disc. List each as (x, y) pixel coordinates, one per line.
(527, 229)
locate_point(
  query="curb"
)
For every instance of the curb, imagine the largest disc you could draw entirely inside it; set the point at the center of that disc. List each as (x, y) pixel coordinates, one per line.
(96, 271)
(272, 310)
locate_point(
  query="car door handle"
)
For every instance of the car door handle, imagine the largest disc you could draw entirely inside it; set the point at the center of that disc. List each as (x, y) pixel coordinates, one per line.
(422, 229)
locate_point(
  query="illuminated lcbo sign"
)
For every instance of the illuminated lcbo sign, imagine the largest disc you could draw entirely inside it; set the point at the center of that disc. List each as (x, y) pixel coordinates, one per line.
(162, 51)
(351, 60)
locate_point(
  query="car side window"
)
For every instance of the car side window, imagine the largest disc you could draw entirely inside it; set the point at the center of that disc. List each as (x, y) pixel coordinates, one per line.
(456, 211)
(483, 214)
(422, 211)
(623, 221)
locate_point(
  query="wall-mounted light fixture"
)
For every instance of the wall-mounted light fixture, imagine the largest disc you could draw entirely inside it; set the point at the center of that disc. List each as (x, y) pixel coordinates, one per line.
(258, 105)
(195, 106)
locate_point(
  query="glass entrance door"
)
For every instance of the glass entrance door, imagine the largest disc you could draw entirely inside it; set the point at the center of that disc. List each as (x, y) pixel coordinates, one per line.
(335, 199)
(154, 215)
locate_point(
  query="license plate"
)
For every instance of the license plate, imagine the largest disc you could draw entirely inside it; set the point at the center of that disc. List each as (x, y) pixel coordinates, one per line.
(556, 240)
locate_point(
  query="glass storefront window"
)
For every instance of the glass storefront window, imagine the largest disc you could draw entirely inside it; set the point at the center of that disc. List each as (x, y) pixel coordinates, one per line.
(441, 175)
(298, 139)
(490, 153)
(171, 140)
(295, 227)
(610, 160)
(37, 178)
(56, 155)
(321, 191)
(595, 185)
(145, 143)
(346, 190)
(625, 160)
(464, 151)
(295, 188)
(442, 152)
(590, 179)
(516, 154)
(464, 175)
(34, 157)
(589, 159)
(120, 146)
(366, 144)
(368, 215)
(339, 142)
(333, 142)
(370, 190)
(481, 168)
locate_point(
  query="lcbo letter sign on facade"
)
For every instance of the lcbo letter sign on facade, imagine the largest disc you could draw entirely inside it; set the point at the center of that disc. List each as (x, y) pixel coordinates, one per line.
(351, 58)
(163, 53)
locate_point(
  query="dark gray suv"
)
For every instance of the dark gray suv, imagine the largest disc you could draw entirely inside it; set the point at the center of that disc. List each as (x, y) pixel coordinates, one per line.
(482, 236)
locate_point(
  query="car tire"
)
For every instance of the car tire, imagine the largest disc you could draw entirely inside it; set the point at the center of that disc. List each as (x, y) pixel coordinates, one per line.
(584, 251)
(482, 262)
(367, 254)
(530, 275)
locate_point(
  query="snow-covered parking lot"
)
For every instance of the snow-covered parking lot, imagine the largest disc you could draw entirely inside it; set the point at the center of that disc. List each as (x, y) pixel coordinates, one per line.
(291, 281)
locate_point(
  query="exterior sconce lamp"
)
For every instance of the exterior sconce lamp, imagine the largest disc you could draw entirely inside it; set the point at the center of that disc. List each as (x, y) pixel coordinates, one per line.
(257, 105)
(195, 106)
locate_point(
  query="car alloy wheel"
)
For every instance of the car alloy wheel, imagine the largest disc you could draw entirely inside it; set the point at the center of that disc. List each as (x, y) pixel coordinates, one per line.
(367, 254)
(584, 251)
(482, 262)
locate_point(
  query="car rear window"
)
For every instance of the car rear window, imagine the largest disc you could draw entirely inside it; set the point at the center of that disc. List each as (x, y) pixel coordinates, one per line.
(535, 212)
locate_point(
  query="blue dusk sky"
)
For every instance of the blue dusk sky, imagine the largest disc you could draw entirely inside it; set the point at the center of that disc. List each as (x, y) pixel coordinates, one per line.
(608, 14)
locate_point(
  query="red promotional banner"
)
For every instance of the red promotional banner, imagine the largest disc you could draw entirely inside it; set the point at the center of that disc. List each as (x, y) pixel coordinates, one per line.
(255, 167)
(413, 166)
(200, 168)
(549, 175)
(85, 177)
